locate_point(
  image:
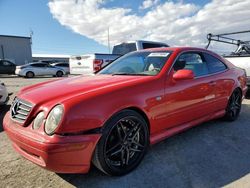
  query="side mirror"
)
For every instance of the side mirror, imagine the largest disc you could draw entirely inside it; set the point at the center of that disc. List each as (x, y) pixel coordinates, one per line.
(183, 74)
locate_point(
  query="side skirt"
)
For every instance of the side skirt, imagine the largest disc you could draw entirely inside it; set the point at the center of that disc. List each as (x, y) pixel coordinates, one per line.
(159, 136)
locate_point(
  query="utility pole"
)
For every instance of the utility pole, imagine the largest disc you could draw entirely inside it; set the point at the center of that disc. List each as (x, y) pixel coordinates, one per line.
(108, 41)
(31, 34)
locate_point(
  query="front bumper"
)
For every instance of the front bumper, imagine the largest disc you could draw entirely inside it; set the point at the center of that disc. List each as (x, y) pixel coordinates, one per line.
(20, 72)
(62, 154)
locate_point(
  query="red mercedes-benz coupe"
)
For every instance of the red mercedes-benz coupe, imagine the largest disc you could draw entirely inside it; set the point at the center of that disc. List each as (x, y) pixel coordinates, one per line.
(112, 117)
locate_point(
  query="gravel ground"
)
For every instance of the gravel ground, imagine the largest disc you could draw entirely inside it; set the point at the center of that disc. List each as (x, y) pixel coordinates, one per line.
(214, 154)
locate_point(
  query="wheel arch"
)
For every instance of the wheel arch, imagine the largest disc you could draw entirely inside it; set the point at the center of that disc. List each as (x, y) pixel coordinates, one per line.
(237, 88)
(138, 110)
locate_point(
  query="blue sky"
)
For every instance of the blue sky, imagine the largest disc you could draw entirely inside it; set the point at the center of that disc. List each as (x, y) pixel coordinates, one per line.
(19, 17)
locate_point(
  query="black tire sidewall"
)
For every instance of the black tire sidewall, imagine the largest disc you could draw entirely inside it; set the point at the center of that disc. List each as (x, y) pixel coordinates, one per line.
(228, 115)
(59, 73)
(109, 125)
(30, 73)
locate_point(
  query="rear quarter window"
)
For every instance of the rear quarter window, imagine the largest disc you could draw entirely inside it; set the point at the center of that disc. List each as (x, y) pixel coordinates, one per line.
(214, 64)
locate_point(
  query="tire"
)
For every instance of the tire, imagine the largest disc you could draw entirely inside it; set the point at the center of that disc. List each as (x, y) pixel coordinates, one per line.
(234, 106)
(123, 144)
(59, 73)
(30, 74)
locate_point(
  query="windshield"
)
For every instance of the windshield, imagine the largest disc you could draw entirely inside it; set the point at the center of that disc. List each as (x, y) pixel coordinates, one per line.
(138, 63)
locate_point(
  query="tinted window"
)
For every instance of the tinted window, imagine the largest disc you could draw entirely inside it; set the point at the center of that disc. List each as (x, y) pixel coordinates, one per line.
(192, 61)
(38, 65)
(214, 64)
(63, 65)
(152, 45)
(6, 63)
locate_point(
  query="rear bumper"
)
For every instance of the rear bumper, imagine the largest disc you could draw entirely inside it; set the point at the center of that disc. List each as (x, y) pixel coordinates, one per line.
(62, 154)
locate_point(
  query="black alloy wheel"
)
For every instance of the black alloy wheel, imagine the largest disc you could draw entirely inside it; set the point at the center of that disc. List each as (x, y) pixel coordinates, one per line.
(234, 106)
(30, 74)
(123, 144)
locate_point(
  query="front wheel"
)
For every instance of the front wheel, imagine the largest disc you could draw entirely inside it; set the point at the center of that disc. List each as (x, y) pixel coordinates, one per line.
(123, 144)
(234, 106)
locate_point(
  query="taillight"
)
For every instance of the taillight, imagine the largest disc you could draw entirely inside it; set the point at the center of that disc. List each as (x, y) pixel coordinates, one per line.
(97, 64)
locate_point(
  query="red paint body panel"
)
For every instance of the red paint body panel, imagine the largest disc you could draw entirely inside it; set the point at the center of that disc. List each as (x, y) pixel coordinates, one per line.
(89, 101)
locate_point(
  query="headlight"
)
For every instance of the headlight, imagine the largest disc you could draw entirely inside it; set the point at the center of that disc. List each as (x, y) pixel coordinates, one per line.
(38, 120)
(53, 119)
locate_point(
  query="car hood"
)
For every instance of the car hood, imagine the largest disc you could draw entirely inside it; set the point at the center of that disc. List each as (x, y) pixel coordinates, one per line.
(65, 88)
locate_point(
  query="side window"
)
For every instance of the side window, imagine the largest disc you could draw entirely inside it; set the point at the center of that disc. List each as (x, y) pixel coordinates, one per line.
(6, 63)
(214, 64)
(192, 61)
(38, 65)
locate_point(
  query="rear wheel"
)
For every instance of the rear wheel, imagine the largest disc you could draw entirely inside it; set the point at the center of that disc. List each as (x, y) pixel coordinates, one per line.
(30, 74)
(123, 144)
(59, 73)
(234, 106)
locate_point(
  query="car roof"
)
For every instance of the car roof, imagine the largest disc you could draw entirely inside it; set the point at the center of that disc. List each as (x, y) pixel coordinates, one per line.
(179, 48)
(36, 63)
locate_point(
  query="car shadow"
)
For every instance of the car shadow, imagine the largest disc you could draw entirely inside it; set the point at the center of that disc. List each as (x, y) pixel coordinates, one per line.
(213, 154)
(8, 76)
(3, 110)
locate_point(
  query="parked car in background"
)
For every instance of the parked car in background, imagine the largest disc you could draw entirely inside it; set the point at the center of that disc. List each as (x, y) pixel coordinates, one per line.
(111, 117)
(4, 96)
(62, 65)
(90, 63)
(39, 69)
(7, 67)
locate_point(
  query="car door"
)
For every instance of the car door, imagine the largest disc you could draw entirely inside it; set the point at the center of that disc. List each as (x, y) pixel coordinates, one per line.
(39, 69)
(188, 100)
(50, 70)
(222, 81)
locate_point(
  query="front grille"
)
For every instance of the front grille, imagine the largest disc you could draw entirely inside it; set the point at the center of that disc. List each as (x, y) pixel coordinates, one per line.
(20, 110)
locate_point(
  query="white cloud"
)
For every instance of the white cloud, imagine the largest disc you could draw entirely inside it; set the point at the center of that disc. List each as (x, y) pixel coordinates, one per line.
(174, 23)
(148, 4)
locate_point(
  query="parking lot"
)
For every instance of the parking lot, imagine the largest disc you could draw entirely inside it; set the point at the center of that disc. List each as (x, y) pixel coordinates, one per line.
(214, 154)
